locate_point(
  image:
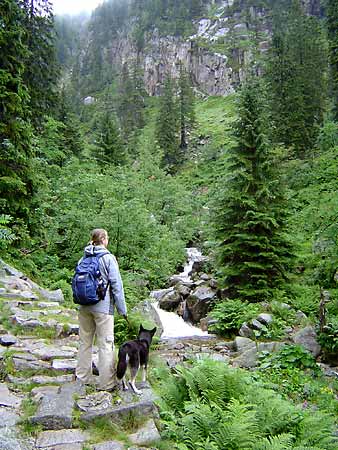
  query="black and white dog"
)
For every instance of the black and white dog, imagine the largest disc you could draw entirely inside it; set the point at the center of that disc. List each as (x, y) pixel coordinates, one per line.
(134, 354)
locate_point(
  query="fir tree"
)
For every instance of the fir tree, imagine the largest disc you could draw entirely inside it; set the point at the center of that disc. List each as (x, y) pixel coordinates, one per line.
(332, 25)
(166, 131)
(254, 253)
(296, 76)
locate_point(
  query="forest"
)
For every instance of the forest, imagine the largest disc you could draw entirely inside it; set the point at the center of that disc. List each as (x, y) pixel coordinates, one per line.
(249, 177)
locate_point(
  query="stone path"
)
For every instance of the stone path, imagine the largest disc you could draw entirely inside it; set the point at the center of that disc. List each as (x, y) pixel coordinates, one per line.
(38, 391)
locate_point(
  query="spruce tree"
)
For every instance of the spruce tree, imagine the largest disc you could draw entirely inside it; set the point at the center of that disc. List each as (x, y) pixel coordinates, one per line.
(332, 26)
(254, 254)
(41, 69)
(16, 151)
(166, 130)
(109, 146)
(296, 73)
(186, 106)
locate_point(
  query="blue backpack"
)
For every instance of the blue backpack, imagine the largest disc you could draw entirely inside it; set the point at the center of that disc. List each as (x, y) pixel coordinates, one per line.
(87, 284)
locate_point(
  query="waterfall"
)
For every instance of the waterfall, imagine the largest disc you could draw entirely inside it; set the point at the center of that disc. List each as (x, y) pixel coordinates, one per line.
(174, 326)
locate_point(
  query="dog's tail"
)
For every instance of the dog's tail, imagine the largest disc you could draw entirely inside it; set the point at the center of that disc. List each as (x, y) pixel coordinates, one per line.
(122, 363)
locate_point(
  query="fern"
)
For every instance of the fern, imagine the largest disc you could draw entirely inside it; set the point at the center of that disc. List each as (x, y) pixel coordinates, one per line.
(316, 430)
(274, 414)
(238, 430)
(5, 233)
(280, 442)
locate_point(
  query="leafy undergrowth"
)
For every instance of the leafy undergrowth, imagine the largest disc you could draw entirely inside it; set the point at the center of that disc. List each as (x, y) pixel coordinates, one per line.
(211, 406)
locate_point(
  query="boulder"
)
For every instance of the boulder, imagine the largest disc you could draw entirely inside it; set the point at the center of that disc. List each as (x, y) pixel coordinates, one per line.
(246, 331)
(265, 319)
(199, 302)
(307, 337)
(145, 435)
(170, 301)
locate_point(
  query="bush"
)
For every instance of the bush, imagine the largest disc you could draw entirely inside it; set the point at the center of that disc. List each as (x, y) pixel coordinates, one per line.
(231, 314)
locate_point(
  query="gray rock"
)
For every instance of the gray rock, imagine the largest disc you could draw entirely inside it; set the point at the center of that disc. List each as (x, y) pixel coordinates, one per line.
(170, 301)
(199, 301)
(55, 411)
(26, 323)
(182, 290)
(270, 346)
(51, 439)
(7, 340)
(48, 352)
(41, 391)
(159, 293)
(142, 405)
(52, 296)
(95, 402)
(265, 319)
(7, 398)
(65, 365)
(46, 305)
(8, 418)
(243, 343)
(256, 325)
(147, 434)
(10, 440)
(246, 331)
(307, 337)
(25, 363)
(109, 445)
(41, 379)
(247, 359)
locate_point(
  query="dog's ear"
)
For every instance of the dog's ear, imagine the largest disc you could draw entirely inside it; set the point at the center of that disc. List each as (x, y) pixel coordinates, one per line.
(153, 331)
(141, 327)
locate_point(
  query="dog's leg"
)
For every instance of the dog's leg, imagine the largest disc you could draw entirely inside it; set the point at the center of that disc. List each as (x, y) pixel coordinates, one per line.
(144, 373)
(133, 373)
(124, 384)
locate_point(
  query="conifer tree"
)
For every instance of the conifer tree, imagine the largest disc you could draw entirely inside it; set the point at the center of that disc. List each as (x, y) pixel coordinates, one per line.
(16, 183)
(254, 253)
(109, 145)
(296, 73)
(332, 25)
(186, 106)
(166, 131)
(40, 67)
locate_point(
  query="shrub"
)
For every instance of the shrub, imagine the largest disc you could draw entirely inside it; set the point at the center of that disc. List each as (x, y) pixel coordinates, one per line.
(231, 314)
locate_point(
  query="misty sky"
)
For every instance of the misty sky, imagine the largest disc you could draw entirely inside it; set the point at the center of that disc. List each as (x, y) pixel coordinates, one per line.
(74, 6)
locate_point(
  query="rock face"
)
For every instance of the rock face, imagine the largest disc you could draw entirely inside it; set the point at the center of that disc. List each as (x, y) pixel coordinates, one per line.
(216, 56)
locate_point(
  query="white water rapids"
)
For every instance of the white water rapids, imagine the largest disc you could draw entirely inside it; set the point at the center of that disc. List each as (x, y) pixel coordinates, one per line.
(173, 325)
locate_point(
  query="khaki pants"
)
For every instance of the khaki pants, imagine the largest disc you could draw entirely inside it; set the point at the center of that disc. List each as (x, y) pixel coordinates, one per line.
(101, 325)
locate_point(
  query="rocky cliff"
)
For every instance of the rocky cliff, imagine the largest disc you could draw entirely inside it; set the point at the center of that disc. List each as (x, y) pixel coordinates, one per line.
(232, 34)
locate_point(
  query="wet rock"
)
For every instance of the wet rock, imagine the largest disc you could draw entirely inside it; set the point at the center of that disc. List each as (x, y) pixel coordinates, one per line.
(159, 293)
(52, 439)
(55, 411)
(307, 337)
(147, 434)
(199, 302)
(182, 290)
(170, 301)
(7, 340)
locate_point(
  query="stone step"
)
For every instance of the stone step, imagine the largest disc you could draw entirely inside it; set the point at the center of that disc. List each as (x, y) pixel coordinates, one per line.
(102, 404)
(55, 410)
(62, 439)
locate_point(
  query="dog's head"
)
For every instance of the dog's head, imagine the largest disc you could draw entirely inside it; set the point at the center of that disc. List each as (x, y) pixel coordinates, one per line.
(146, 335)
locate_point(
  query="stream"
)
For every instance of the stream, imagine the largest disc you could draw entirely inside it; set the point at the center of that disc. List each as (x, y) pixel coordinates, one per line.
(174, 326)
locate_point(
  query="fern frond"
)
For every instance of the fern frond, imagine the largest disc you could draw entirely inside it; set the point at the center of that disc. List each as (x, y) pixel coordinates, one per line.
(280, 442)
(317, 430)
